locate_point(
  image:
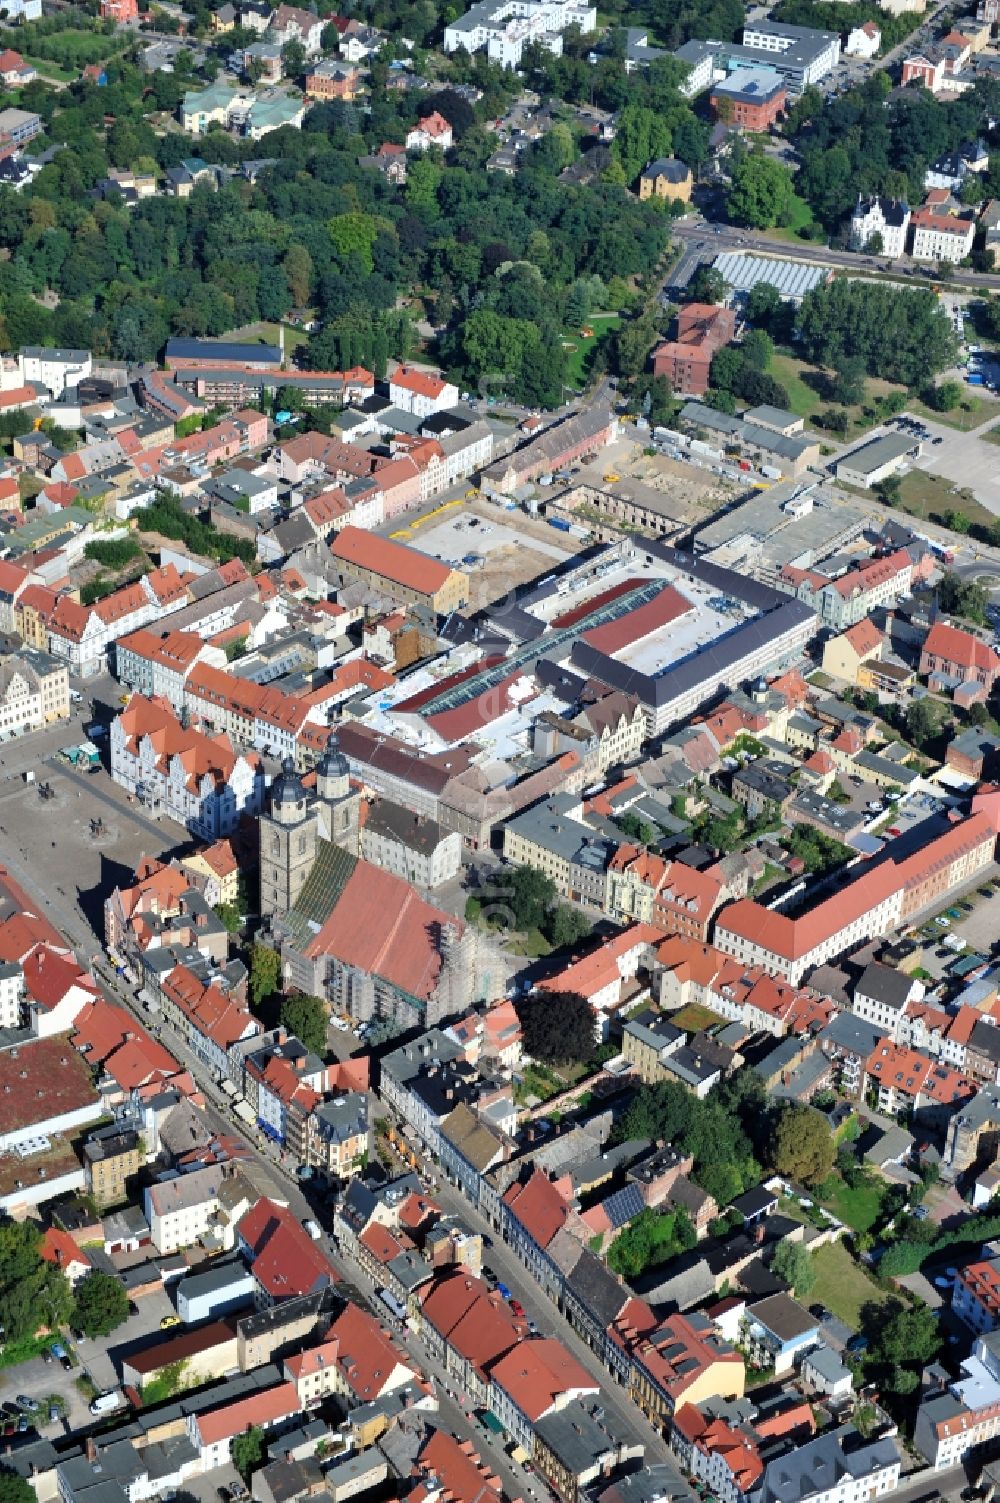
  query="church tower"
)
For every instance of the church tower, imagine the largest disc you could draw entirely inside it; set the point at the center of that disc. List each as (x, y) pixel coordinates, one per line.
(339, 803)
(288, 834)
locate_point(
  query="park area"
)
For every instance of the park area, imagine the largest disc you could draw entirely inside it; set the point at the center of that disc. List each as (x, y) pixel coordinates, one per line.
(581, 343)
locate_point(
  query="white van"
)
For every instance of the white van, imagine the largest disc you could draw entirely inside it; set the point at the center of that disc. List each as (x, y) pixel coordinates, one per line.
(108, 1403)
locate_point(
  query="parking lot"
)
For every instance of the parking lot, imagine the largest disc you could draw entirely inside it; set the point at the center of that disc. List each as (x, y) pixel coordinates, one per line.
(39, 1380)
(981, 928)
(499, 550)
(967, 459)
(102, 1358)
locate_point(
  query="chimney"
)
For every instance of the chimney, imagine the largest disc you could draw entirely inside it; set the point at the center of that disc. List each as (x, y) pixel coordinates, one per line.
(90, 1448)
(758, 1233)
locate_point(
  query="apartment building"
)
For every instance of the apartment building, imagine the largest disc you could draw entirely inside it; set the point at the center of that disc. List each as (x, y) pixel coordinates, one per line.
(34, 692)
(888, 219)
(975, 1295)
(181, 1209)
(503, 28)
(877, 902)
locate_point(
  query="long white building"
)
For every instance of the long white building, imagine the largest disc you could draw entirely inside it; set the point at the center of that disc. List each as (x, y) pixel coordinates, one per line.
(505, 27)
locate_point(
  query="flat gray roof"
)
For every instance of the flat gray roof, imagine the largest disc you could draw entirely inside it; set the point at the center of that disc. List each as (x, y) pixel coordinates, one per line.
(877, 452)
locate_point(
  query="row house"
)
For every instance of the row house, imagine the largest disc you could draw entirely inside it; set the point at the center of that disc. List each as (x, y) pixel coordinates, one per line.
(686, 971)
(532, 1212)
(682, 1361)
(975, 1295)
(197, 780)
(81, 635)
(158, 667)
(676, 899)
(285, 1262)
(538, 1378)
(357, 1361)
(960, 1416)
(467, 1329)
(852, 596)
(904, 1080)
(213, 1431)
(210, 1021)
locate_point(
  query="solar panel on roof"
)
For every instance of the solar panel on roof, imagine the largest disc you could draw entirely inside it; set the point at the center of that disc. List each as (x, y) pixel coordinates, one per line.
(623, 1206)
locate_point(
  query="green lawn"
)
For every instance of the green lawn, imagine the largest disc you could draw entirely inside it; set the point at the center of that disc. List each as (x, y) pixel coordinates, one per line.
(266, 332)
(806, 401)
(842, 1285)
(579, 350)
(971, 411)
(860, 1207)
(694, 1017)
(800, 217)
(930, 496)
(51, 71)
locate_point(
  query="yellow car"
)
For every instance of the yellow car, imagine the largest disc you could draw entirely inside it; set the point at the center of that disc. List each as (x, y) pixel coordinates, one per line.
(168, 1321)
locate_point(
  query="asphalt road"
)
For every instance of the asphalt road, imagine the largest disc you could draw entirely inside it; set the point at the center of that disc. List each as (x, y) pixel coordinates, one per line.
(690, 233)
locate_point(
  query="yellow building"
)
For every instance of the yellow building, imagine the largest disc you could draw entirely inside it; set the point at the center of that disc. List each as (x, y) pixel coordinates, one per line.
(844, 655)
(110, 1161)
(666, 178)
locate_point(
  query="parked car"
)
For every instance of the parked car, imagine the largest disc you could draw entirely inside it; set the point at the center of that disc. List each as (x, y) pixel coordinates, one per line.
(25, 1401)
(67, 1364)
(517, 1308)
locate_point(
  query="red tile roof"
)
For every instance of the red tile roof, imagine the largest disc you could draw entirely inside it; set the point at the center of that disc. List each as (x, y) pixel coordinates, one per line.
(669, 605)
(285, 1260)
(453, 1472)
(59, 1248)
(478, 1325)
(266, 1408)
(537, 1374)
(539, 1207)
(389, 560)
(961, 647)
(381, 925)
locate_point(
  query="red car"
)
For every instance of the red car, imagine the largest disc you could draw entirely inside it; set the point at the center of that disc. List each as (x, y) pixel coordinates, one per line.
(517, 1308)
(894, 831)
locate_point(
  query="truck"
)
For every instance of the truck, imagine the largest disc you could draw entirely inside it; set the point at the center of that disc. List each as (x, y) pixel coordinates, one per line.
(314, 1229)
(770, 472)
(559, 523)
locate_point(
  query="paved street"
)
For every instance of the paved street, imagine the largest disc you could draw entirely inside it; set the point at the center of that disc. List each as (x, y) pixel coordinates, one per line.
(703, 242)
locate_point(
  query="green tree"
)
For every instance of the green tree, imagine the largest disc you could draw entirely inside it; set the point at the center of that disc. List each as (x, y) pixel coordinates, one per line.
(265, 973)
(944, 397)
(293, 59)
(848, 383)
(803, 1146)
(921, 722)
(32, 1291)
(14, 1488)
(567, 925)
(354, 235)
(306, 1017)
(957, 521)
(793, 1263)
(761, 194)
(558, 1028)
(248, 1451)
(708, 285)
(298, 268)
(100, 1304)
(963, 597)
(641, 135)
